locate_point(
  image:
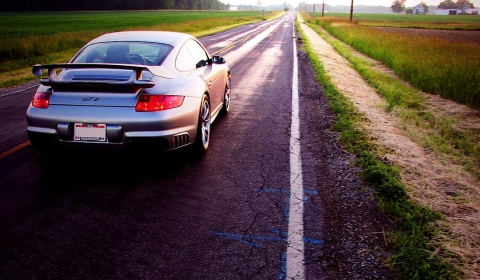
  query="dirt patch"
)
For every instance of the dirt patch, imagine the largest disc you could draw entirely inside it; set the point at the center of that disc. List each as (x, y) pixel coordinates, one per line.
(432, 181)
(472, 36)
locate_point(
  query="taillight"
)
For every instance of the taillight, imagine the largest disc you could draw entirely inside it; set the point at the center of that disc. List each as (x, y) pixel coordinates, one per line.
(41, 100)
(150, 103)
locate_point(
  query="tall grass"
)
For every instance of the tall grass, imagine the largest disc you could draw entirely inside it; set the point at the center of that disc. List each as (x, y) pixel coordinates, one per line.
(450, 69)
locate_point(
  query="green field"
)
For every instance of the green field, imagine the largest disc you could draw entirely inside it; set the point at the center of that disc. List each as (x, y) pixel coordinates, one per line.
(18, 25)
(30, 38)
(410, 21)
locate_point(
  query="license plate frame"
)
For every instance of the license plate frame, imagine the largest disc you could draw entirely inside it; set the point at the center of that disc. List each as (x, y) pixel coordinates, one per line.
(90, 132)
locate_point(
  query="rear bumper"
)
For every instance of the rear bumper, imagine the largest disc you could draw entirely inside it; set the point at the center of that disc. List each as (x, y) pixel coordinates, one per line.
(45, 141)
(125, 128)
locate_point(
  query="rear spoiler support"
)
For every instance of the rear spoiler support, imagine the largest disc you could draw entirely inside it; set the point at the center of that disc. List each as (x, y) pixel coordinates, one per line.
(133, 82)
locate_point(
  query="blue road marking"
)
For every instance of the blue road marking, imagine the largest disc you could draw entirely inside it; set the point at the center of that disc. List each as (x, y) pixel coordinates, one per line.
(247, 239)
(283, 267)
(270, 190)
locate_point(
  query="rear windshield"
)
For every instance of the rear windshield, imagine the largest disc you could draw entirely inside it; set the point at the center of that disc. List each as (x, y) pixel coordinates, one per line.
(124, 53)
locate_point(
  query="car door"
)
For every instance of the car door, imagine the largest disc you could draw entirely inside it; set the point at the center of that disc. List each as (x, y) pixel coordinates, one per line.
(212, 78)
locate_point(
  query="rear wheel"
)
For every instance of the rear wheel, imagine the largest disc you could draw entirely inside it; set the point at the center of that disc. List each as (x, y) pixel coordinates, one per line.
(202, 140)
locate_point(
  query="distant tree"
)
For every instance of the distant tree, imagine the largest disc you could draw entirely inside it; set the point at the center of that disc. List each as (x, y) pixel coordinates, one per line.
(181, 4)
(425, 7)
(409, 11)
(398, 6)
(285, 9)
(464, 4)
(192, 4)
(448, 4)
(91, 5)
(164, 4)
(137, 5)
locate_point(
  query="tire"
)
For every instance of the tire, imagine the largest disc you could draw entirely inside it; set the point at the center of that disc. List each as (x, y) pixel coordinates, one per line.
(227, 98)
(202, 140)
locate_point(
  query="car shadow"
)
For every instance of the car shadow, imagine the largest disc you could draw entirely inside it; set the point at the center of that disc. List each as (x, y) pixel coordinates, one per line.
(70, 170)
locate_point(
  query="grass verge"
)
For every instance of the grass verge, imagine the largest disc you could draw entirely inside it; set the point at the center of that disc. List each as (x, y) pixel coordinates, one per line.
(441, 134)
(415, 223)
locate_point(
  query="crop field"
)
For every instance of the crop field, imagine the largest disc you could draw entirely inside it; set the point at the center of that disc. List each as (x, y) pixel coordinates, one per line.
(17, 25)
(411, 21)
(30, 38)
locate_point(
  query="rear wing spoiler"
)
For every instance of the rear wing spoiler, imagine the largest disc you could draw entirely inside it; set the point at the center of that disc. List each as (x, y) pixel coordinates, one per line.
(133, 82)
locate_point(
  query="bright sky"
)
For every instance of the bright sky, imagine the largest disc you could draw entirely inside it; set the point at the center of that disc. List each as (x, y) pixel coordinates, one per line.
(294, 3)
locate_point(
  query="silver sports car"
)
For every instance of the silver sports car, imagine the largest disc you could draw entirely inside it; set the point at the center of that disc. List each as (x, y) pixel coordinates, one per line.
(130, 89)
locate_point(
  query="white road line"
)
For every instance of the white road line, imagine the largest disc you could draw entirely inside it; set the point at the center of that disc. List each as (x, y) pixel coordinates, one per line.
(10, 93)
(295, 249)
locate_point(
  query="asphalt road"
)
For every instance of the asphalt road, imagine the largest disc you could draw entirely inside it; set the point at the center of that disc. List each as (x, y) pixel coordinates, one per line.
(224, 215)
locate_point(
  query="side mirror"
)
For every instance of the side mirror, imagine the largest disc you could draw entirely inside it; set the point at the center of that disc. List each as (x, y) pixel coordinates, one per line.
(201, 63)
(218, 59)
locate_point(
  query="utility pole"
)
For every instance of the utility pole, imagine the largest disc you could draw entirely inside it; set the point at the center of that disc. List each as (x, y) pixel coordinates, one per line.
(351, 12)
(323, 7)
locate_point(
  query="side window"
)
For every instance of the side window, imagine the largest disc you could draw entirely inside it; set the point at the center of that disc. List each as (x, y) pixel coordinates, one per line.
(197, 51)
(184, 61)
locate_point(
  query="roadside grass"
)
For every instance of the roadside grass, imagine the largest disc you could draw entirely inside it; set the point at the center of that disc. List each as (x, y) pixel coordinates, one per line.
(442, 134)
(448, 68)
(417, 257)
(459, 22)
(30, 38)
(21, 75)
(449, 134)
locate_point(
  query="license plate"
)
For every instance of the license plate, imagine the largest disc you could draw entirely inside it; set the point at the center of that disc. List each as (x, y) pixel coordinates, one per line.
(90, 132)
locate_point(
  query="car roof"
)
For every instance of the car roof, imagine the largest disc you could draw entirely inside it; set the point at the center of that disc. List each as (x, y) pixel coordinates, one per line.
(165, 37)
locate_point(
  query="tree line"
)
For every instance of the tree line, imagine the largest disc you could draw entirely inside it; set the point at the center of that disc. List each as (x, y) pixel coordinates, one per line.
(398, 6)
(109, 5)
